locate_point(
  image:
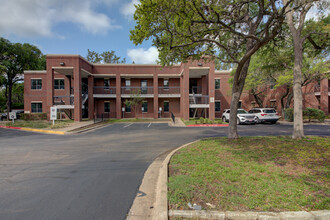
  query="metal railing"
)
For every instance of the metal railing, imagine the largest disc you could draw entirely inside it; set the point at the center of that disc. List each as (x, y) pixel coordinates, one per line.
(63, 100)
(137, 90)
(104, 116)
(173, 117)
(199, 99)
(317, 88)
(104, 90)
(195, 90)
(169, 90)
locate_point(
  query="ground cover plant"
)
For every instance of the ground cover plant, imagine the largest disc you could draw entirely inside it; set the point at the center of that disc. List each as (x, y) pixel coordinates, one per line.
(252, 174)
(41, 124)
(193, 121)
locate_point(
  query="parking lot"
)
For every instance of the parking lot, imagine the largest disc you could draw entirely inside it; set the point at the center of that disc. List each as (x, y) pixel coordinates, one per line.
(93, 175)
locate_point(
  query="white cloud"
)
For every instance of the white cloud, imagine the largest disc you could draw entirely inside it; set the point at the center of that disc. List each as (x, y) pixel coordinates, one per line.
(315, 14)
(129, 9)
(38, 17)
(142, 56)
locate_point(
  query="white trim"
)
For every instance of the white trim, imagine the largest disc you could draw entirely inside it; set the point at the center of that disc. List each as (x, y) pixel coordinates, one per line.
(35, 71)
(35, 78)
(36, 102)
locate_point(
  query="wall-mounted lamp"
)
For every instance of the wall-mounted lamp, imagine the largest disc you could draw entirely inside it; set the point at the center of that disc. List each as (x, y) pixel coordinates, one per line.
(62, 63)
(199, 64)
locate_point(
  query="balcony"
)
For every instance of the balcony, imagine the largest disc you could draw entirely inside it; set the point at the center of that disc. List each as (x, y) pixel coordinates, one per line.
(104, 92)
(129, 91)
(317, 90)
(168, 92)
(63, 102)
(199, 101)
(195, 90)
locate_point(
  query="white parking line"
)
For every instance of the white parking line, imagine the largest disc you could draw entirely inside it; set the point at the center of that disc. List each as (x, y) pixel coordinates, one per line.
(127, 125)
(149, 125)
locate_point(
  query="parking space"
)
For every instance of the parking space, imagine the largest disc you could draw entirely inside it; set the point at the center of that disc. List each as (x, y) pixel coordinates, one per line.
(136, 126)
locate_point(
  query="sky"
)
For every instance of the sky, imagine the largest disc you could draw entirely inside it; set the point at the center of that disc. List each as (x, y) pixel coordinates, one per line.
(73, 26)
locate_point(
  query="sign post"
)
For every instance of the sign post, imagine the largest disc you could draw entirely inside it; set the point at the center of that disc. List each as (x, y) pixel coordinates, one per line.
(160, 112)
(53, 114)
(123, 110)
(12, 116)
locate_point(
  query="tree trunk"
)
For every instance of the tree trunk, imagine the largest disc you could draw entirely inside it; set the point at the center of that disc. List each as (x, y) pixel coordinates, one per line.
(258, 99)
(9, 96)
(236, 94)
(298, 126)
(282, 100)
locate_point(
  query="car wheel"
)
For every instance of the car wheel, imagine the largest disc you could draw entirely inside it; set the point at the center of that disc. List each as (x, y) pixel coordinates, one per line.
(224, 119)
(273, 122)
(238, 121)
(258, 121)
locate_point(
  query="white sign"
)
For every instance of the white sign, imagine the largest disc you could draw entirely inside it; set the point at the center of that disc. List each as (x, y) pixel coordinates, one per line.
(211, 99)
(12, 115)
(53, 113)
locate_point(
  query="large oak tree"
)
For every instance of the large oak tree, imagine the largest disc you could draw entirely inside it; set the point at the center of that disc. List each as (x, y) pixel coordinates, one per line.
(228, 30)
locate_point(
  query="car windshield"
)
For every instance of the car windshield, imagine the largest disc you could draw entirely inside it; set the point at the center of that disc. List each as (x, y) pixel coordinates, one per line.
(241, 111)
(269, 111)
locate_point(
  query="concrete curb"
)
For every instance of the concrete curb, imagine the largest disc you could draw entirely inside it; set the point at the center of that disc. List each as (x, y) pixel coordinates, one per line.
(34, 130)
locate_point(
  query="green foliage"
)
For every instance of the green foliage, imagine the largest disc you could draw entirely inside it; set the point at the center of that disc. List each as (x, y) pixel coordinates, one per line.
(288, 114)
(105, 57)
(313, 113)
(201, 120)
(34, 116)
(135, 100)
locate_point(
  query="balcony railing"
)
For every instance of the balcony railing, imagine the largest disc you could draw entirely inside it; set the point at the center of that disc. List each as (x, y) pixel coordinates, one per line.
(63, 100)
(199, 99)
(137, 90)
(104, 90)
(195, 90)
(169, 90)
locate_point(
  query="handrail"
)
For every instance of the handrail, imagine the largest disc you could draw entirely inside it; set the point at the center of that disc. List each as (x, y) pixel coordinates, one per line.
(173, 117)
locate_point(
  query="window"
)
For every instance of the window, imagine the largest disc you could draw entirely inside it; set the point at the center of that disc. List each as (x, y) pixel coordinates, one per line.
(145, 107)
(127, 108)
(106, 106)
(217, 106)
(36, 107)
(217, 83)
(128, 83)
(273, 103)
(166, 106)
(36, 83)
(106, 83)
(239, 104)
(166, 83)
(144, 88)
(58, 83)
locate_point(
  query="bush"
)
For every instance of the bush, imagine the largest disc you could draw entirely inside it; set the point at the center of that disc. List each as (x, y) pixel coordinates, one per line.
(288, 114)
(34, 116)
(201, 120)
(314, 113)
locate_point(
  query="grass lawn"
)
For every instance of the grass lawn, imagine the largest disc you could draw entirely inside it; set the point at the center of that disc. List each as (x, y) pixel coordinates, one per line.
(252, 174)
(40, 124)
(193, 121)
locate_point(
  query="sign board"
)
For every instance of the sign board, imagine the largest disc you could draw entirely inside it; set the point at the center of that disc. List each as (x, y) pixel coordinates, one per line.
(211, 99)
(12, 115)
(142, 109)
(123, 109)
(53, 113)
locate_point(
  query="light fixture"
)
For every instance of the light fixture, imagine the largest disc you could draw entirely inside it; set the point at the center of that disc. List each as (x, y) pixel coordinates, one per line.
(199, 64)
(62, 63)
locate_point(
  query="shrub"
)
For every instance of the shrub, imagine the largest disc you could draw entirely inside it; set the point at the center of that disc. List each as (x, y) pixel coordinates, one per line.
(314, 113)
(201, 120)
(34, 116)
(288, 114)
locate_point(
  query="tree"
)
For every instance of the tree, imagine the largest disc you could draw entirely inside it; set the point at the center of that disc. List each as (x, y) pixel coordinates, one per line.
(14, 59)
(105, 57)
(228, 30)
(295, 17)
(135, 101)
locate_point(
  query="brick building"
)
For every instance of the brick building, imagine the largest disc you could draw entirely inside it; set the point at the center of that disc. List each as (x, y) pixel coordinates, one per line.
(80, 89)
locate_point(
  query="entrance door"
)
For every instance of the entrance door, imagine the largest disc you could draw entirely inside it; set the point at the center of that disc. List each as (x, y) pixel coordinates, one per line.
(192, 86)
(144, 88)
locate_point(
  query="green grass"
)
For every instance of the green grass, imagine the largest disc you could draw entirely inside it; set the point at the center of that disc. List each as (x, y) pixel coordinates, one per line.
(40, 124)
(252, 174)
(193, 121)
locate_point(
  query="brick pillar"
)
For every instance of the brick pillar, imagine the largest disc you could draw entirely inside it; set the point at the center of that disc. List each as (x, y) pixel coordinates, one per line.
(324, 97)
(211, 92)
(155, 95)
(77, 93)
(184, 81)
(50, 91)
(118, 96)
(90, 97)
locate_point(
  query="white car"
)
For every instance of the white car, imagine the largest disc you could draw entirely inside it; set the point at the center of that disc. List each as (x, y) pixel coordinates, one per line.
(265, 115)
(243, 117)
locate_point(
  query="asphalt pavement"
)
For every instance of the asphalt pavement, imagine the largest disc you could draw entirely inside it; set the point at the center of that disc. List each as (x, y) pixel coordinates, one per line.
(93, 175)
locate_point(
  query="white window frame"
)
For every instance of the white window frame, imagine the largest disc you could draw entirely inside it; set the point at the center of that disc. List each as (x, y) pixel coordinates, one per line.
(36, 79)
(59, 85)
(37, 102)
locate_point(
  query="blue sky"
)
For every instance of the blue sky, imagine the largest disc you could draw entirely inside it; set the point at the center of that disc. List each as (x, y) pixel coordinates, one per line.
(73, 26)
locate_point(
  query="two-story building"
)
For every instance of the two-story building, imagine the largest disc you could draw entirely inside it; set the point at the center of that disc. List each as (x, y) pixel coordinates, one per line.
(80, 89)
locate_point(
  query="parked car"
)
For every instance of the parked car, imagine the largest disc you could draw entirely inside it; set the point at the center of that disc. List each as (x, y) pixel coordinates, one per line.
(243, 117)
(18, 114)
(265, 115)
